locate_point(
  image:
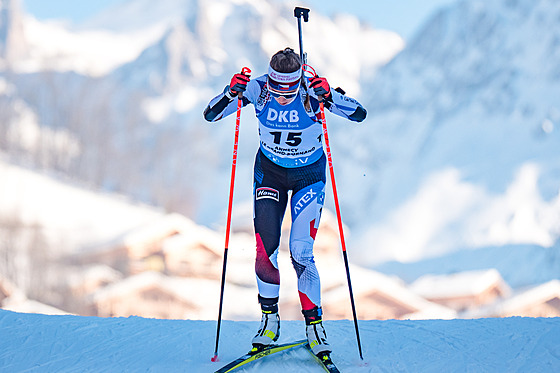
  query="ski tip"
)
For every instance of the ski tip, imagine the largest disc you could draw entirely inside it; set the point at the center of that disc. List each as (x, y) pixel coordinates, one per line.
(215, 358)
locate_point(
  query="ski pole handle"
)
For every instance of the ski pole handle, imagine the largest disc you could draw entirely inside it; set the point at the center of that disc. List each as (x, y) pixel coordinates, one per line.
(298, 13)
(301, 12)
(245, 71)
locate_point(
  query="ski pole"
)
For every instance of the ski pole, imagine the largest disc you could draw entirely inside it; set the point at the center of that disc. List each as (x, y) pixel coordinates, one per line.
(341, 231)
(309, 69)
(298, 13)
(245, 71)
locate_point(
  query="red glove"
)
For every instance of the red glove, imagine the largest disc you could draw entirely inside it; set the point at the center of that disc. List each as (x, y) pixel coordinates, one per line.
(320, 86)
(238, 84)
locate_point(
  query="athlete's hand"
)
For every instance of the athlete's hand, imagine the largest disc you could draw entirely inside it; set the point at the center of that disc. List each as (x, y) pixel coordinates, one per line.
(238, 84)
(320, 86)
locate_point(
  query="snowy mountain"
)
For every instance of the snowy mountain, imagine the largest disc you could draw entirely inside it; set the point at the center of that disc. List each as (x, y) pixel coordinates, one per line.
(459, 150)
(461, 118)
(72, 343)
(145, 115)
(207, 39)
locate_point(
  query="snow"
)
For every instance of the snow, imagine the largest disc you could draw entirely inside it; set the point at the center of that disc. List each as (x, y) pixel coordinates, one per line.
(519, 265)
(447, 209)
(31, 306)
(41, 343)
(70, 214)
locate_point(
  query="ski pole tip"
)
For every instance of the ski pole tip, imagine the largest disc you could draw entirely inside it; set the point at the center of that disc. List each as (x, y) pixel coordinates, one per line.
(215, 358)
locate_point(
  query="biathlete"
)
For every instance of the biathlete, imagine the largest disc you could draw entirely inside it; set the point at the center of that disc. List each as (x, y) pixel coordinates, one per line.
(290, 158)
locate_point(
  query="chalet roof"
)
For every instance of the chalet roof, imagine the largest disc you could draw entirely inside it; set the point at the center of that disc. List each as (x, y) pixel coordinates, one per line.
(366, 281)
(30, 306)
(525, 298)
(95, 272)
(201, 292)
(140, 282)
(158, 228)
(536, 294)
(172, 231)
(17, 301)
(8, 288)
(468, 283)
(195, 234)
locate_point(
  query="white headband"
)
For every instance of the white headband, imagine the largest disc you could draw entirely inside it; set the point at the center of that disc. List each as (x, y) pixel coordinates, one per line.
(284, 77)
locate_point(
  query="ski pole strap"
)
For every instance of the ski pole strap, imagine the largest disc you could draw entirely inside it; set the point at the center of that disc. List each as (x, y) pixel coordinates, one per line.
(309, 70)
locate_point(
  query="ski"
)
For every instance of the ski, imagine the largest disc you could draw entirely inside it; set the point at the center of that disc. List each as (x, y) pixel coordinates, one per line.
(324, 360)
(255, 355)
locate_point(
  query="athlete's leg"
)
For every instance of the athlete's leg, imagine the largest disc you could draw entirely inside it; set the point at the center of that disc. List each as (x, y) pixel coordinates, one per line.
(307, 204)
(306, 207)
(269, 202)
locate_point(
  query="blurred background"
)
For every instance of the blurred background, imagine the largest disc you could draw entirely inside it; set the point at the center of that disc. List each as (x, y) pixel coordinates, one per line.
(114, 190)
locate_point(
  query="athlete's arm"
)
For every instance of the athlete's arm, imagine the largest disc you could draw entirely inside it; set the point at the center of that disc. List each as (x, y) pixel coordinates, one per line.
(221, 106)
(336, 100)
(345, 106)
(225, 103)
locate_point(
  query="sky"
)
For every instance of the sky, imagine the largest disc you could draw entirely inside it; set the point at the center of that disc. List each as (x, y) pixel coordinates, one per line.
(401, 16)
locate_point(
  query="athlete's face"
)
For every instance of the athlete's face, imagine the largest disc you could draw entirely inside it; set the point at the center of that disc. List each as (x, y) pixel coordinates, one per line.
(283, 100)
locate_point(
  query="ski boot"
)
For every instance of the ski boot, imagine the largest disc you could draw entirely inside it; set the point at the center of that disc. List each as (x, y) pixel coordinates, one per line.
(269, 330)
(316, 335)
